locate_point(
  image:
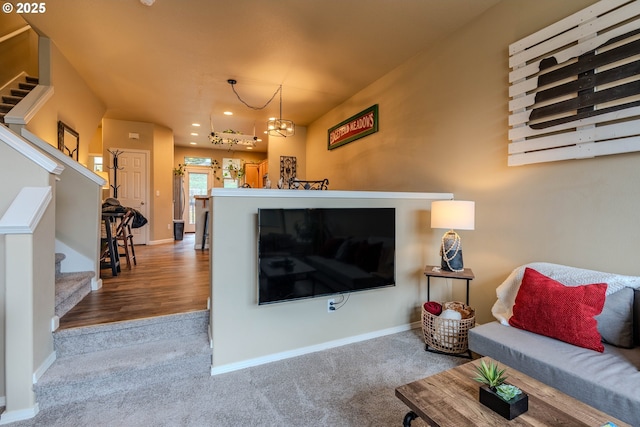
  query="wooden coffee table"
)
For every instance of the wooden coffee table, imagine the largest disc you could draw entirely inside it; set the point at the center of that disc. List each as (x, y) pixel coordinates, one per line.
(450, 398)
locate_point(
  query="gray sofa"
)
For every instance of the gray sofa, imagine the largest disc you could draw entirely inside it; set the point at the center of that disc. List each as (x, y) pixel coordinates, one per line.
(609, 381)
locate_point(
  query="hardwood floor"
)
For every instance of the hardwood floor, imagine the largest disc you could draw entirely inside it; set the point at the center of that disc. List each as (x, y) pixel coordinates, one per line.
(170, 278)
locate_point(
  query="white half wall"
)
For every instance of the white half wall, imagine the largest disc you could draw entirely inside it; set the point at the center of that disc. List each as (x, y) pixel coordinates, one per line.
(244, 332)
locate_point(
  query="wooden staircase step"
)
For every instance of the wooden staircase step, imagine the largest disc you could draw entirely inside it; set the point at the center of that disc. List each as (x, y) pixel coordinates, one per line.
(13, 100)
(32, 80)
(27, 86)
(20, 92)
(5, 108)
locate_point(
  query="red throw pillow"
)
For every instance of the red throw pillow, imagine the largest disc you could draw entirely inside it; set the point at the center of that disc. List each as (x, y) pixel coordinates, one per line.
(566, 313)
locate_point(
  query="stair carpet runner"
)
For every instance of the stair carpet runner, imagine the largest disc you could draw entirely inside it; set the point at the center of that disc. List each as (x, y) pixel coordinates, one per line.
(120, 357)
(10, 101)
(70, 287)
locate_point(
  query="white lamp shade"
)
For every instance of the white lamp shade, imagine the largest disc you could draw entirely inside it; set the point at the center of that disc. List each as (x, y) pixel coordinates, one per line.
(453, 214)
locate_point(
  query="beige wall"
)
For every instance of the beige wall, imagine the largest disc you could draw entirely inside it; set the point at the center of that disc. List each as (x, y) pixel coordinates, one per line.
(72, 102)
(243, 331)
(162, 181)
(20, 53)
(443, 127)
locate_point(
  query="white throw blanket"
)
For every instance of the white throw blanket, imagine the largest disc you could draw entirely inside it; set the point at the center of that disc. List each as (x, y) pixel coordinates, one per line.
(569, 276)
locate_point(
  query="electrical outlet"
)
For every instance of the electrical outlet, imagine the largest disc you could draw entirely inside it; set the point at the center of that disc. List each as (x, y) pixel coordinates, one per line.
(331, 305)
(168, 226)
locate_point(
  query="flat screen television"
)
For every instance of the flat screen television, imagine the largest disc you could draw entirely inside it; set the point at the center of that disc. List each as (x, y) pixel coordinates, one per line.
(306, 253)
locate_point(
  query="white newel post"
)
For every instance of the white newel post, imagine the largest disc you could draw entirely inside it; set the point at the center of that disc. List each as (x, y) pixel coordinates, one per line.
(25, 286)
(19, 326)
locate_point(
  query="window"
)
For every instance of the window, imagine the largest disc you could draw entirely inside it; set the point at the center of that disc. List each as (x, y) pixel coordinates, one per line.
(197, 161)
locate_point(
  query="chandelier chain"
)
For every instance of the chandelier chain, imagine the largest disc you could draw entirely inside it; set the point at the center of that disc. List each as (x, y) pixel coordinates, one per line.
(253, 107)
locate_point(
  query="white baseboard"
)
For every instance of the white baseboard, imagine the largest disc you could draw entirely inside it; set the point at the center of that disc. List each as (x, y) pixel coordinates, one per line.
(223, 369)
(23, 414)
(96, 283)
(43, 368)
(159, 242)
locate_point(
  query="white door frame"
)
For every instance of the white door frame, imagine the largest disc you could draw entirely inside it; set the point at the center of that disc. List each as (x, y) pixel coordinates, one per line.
(147, 153)
(185, 188)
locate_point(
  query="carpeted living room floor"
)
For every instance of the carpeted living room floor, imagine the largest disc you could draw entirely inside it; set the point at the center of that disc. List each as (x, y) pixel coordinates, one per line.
(352, 385)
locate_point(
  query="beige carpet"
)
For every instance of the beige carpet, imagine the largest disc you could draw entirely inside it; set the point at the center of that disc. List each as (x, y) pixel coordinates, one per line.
(352, 385)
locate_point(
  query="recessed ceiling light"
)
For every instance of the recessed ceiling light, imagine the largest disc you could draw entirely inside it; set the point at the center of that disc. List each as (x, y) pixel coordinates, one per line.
(228, 113)
(195, 124)
(194, 134)
(193, 143)
(249, 148)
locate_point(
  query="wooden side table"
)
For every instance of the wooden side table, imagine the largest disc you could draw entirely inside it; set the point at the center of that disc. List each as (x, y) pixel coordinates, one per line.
(435, 271)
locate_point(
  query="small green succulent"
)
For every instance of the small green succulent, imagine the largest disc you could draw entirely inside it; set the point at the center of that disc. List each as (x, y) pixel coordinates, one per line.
(507, 391)
(490, 375)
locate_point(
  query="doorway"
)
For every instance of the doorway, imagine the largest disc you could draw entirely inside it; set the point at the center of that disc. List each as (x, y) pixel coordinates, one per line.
(197, 182)
(132, 185)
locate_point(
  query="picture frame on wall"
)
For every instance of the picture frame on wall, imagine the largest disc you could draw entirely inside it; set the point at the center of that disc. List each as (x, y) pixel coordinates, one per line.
(68, 140)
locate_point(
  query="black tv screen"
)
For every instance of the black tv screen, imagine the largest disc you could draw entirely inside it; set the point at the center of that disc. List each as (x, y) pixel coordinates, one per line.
(306, 253)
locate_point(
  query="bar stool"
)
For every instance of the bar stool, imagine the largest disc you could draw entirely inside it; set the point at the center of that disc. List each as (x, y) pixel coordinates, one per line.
(129, 237)
(122, 236)
(205, 230)
(110, 242)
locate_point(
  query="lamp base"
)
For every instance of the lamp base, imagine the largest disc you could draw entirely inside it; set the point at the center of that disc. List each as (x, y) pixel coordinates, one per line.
(454, 265)
(451, 252)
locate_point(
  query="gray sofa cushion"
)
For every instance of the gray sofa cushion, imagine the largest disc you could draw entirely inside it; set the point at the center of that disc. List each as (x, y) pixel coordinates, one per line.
(615, 323)
(607, 381)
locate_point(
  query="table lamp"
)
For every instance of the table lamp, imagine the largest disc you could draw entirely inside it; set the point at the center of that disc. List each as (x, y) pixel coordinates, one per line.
(450, 214)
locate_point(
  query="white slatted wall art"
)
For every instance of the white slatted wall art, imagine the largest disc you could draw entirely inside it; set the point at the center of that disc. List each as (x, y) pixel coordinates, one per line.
(575, 86)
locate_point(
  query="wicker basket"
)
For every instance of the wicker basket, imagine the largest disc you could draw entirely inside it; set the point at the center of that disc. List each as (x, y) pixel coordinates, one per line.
(446, 335)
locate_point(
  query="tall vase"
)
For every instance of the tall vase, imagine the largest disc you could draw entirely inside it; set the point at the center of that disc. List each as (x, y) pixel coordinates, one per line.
(178, 196)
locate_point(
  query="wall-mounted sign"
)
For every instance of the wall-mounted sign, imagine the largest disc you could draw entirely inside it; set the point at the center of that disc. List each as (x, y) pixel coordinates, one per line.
(362, 124)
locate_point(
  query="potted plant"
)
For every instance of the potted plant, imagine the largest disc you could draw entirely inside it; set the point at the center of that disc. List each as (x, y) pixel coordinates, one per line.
(505, 399)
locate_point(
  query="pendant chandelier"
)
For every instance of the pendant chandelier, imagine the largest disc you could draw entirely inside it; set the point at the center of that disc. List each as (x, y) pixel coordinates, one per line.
(275, 126)
(280, 126)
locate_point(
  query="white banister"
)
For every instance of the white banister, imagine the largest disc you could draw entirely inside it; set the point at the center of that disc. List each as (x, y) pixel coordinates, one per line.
(62, 158)
(27, 108)
(15, 33)
(25, 212)
(20, 145)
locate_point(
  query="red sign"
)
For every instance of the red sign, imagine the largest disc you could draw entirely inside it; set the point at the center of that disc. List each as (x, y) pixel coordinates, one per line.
(358, 126)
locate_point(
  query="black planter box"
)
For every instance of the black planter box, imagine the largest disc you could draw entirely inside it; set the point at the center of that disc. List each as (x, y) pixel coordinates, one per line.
(509, 410)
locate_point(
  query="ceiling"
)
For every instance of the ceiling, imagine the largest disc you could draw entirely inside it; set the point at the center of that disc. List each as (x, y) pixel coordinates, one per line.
(169, 63)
